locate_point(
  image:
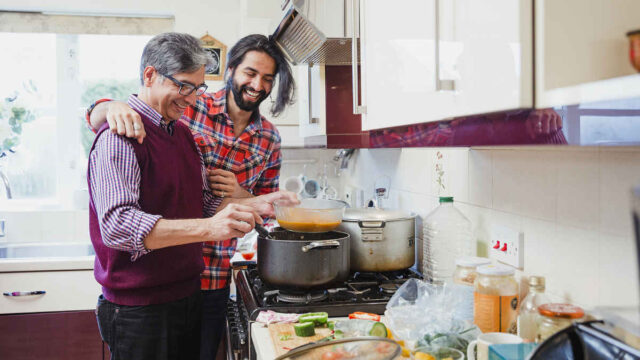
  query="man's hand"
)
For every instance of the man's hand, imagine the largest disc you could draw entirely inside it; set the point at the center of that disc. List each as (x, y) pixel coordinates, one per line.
(235, 220)
(263, 204)
(224, 183)
(543, 122)
(125, 121)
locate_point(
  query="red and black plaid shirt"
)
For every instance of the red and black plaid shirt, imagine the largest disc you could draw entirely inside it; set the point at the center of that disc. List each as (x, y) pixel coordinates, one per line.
(254, 157)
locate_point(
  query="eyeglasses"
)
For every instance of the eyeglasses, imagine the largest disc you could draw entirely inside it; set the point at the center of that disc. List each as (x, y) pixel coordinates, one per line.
(186, 88)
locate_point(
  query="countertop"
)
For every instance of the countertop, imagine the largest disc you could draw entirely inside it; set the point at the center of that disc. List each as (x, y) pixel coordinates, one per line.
(47, 264)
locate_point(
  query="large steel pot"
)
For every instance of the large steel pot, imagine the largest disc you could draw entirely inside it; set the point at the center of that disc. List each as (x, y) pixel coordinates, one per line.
(381, 240)
(303, 260)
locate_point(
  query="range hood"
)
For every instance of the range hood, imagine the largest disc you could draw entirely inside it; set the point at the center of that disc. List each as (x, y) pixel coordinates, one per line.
(318, 31)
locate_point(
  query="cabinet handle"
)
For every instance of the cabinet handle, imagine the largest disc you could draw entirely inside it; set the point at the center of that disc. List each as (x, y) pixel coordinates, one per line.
(357, 108)
(24, 293)
(441, 85)
(312, 120)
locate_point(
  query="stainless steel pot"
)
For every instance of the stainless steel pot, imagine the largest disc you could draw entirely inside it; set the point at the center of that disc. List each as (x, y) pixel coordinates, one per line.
(303, 260)
(381, 240)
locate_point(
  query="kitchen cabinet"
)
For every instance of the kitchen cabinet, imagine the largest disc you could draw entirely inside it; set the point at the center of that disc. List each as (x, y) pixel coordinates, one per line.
(425, 61)
(582, 52)
(59, 335)
(65, 291)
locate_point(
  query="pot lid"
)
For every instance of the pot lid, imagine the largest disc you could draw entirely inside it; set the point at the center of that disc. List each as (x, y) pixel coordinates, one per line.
(371, 347)
(372, 214)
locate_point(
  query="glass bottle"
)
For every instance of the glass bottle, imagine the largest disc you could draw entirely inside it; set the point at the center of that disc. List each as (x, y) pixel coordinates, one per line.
(528, 314)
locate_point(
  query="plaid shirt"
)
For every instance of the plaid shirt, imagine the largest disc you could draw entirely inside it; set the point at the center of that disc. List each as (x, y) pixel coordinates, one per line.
(254, 157)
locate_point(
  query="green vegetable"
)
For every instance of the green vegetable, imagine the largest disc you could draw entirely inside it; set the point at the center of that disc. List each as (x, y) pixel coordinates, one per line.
(338, 334)
(285, 337)
(378, 329)
(304, 329)
(318, 318)
(331, 325)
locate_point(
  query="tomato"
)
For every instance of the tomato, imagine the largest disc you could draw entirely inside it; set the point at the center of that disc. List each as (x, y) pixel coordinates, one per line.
(247, 255)
(383, 347)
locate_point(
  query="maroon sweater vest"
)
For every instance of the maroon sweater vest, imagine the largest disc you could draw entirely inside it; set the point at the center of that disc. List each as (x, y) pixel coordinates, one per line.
(171, 186)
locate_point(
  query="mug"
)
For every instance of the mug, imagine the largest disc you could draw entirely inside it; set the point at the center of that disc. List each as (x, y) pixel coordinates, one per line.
(486, 339)
(294, 184)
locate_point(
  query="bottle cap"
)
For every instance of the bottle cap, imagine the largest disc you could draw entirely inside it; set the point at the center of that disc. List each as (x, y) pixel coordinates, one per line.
(566, 311)
(472, 261)
(446, 199)
(536, 282)
(499, 270)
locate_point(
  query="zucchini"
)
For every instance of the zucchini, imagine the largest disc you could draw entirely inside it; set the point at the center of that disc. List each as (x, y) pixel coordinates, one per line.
(378, 329)
(317, 318)
(304, 329)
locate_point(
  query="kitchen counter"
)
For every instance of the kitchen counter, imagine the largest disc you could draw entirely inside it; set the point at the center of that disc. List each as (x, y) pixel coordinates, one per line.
(47, 264)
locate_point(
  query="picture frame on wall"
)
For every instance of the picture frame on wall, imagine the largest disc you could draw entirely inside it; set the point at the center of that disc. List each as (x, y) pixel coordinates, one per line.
(218, 52)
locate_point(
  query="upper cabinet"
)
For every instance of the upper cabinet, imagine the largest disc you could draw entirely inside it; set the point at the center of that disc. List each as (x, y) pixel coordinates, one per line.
(582, 52)
(431, 60)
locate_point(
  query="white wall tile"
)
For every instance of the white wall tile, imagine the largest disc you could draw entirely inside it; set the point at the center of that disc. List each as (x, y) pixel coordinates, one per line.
(23, 226)
(413, 170)
(480, 177)
(619, 172)
(578, 188)
(58, 226)
(618, 271)
(81, 231)
(524, 182)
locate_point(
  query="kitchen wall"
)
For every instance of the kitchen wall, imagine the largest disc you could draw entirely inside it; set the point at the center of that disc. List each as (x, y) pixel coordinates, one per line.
(572, 203)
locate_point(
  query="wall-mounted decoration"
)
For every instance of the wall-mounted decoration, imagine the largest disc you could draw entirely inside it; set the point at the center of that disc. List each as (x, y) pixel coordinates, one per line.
(218, 52)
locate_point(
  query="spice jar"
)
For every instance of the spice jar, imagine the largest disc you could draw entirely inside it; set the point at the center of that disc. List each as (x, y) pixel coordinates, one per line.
(495, 299)
(555, 317)
(464, 275)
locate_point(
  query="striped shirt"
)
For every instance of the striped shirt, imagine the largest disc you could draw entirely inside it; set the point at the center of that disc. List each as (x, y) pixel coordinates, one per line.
(114, 177)
(254, 157)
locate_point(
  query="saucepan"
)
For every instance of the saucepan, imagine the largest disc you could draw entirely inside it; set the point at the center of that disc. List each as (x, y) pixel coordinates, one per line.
(311, 215)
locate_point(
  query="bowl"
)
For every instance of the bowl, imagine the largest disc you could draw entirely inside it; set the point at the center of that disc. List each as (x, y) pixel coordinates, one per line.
(311, 215)
(362, 348)
(437, 353)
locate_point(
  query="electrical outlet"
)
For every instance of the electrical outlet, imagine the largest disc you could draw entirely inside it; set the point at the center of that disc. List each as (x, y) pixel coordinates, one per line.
(507, 246)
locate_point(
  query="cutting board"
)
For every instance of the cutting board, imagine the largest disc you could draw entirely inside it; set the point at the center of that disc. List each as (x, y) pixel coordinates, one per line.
(282, 346)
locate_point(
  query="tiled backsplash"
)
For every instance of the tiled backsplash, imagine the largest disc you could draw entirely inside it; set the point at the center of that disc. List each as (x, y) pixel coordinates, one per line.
(46, 226)
(572, 203)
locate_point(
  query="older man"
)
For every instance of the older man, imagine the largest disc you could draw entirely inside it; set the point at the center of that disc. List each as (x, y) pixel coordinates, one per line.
(151, 209)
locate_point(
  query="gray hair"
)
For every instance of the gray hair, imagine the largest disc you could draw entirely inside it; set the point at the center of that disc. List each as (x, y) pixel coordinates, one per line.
(171, 53)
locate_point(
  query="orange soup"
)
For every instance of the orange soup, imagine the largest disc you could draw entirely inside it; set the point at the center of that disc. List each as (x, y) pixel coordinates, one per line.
(308, 227)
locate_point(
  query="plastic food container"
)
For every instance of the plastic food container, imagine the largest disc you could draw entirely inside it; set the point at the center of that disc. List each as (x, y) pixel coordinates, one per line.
(311, 215)
(368, 347)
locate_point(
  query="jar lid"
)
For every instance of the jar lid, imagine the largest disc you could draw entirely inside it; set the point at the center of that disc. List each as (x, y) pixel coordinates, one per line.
(566, 311)
(472, 261)
(536, 282)
(495, 270)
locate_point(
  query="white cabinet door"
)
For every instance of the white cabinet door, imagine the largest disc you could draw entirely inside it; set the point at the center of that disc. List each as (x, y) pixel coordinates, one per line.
(310, 82)
(486, 46)
(582, 52)
(398, 63)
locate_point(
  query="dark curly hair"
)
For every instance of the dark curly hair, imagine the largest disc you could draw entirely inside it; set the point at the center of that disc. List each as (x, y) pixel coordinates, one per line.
(257, 42)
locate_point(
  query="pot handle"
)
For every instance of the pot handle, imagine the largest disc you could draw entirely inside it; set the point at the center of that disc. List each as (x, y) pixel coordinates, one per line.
(324, 244)
(371, 224)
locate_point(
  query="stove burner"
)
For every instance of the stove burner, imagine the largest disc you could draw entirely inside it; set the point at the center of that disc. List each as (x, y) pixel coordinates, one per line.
(304, 298)
(389, 288)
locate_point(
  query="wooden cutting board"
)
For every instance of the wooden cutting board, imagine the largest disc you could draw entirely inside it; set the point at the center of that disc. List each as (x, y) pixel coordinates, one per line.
(282, 346)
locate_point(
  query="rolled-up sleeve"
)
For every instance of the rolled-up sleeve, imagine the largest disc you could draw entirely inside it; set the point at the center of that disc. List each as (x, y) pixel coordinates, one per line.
(114, 177)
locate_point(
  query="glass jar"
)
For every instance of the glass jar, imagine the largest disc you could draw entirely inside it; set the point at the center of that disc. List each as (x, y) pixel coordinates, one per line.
(495, 299)
(555, 317)
(464, 275)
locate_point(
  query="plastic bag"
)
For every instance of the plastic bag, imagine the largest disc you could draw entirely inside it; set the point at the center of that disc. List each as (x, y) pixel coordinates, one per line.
(421, 313)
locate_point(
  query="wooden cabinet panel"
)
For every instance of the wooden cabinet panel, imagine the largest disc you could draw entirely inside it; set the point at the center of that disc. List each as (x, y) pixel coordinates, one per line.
(52, 336)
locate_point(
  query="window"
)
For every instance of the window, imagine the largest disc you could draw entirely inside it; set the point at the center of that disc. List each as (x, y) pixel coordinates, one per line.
(54, 67)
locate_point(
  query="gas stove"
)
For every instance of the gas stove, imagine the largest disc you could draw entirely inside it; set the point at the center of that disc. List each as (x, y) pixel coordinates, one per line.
(367, 292)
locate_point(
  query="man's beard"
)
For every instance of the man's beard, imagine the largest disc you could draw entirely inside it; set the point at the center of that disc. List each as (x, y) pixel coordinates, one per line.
(239, 99)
